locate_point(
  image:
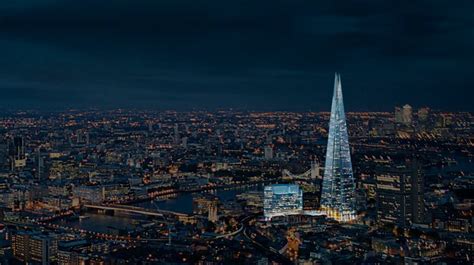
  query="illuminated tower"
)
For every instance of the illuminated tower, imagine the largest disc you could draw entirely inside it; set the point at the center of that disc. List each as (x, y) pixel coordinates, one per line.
(337, 198)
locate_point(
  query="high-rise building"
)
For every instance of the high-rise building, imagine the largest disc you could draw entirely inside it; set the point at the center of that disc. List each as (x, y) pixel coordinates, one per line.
(17, 152)
(282, 200)
(337, 197)
(407, 114)
(40, 164)
(34, 247)
(398, 115)
(4, 154)
(400, 195)
(176, 135)
(20, 246)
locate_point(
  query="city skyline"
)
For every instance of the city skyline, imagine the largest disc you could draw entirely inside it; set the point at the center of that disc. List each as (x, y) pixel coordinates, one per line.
(206, 132)
(186, 187)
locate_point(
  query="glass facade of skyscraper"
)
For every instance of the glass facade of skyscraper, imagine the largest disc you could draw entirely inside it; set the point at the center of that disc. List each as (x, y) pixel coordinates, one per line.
(337, 198)
(282, 199)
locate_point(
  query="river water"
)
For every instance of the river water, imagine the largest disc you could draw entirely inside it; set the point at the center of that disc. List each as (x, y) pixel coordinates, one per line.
(181, 203)
(184, 202)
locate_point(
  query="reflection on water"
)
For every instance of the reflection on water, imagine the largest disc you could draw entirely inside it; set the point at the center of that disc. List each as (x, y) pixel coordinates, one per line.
(100, 223)
(184, 202)
(181, 203)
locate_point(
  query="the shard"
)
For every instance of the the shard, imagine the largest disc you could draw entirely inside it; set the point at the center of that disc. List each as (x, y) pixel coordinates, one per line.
(337, 198)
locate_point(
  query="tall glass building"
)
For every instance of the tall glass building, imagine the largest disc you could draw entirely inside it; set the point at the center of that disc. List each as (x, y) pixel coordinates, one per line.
(282, 200)
(337, 198)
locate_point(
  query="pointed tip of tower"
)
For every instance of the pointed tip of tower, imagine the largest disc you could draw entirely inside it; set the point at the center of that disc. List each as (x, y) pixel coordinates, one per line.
(337, 85)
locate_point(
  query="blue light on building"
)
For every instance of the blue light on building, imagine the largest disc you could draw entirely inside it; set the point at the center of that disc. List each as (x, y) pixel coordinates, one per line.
(282, 200)
(337, 198)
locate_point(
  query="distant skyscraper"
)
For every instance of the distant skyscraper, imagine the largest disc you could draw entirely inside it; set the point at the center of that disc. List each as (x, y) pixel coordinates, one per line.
(282, 200)
(17, 152)
(398, 115)
(176, 136)
(407, 114)
(40, 164)
(337, 198)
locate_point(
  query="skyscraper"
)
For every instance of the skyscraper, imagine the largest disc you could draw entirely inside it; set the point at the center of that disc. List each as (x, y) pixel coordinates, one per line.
(17, 152)
(398, 115)
(337, 198)
(177, 138)
(407, 114)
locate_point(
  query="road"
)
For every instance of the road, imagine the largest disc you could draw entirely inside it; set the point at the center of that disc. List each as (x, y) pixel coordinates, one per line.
(271, 253)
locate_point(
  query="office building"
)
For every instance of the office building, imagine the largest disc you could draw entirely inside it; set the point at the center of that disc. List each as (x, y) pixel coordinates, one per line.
(34, 247)
(337, 198)
(282, 200)
(17, 152)
(176, 136)
(407, 115)
(398, 115)
(400, 195)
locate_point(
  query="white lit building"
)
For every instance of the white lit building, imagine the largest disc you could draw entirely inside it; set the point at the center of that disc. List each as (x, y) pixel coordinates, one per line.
(282, 200)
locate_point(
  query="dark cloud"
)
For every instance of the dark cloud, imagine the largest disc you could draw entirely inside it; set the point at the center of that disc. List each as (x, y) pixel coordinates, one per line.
(237, 53)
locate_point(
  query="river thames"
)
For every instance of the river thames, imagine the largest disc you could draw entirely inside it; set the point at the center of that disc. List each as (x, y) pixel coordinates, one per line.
(182, 202)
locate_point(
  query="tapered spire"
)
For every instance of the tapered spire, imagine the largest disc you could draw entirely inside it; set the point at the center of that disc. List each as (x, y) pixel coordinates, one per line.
(337, 198)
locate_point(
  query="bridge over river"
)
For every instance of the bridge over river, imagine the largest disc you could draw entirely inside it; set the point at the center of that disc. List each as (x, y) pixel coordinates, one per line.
(134, 210)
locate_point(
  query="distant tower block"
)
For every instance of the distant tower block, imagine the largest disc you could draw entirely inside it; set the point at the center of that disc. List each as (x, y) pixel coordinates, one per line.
(338, 191)
(18, 152)
(407, 114)
(40, 164)
(176, 134)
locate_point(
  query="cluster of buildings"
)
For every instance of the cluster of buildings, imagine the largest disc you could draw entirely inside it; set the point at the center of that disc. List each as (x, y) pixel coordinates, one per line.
(127, 187)
(402, 217)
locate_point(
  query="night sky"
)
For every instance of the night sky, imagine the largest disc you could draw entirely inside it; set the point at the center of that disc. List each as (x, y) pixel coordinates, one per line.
(244, 54)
